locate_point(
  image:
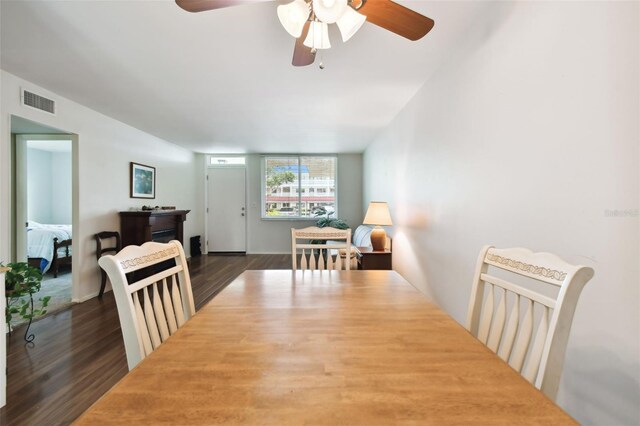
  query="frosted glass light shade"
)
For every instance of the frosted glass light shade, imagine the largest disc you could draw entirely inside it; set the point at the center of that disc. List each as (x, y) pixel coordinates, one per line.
(329, 11)
(350, 22)
(293, 16)
(318, 36)
(378, 214)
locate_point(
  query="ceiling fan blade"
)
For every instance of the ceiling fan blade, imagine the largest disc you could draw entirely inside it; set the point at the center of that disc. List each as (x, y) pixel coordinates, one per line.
(302, 55)
(202, 5)
(397, 18)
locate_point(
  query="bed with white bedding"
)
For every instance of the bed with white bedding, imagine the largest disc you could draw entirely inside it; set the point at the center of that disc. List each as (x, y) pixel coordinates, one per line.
(48, 246)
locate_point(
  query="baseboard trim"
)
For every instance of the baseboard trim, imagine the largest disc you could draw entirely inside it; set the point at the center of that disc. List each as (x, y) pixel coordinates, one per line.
(226, 253)
(89, 296)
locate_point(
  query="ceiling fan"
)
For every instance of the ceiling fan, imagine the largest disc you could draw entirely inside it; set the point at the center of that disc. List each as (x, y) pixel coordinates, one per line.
(308, 20)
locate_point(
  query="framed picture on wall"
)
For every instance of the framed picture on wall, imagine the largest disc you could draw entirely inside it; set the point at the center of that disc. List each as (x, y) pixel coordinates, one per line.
(143, 181)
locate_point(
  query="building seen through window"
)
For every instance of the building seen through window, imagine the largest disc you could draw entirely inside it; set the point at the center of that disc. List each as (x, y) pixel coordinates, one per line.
(296, 186)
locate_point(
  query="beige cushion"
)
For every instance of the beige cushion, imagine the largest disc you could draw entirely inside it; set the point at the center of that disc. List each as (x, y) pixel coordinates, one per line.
(343, 252)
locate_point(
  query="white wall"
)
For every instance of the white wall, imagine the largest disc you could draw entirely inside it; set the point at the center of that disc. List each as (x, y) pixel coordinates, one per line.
(105, 148)
(274, 236)
(49, 186)
(529, 137)
(61, 187)
(39, 186)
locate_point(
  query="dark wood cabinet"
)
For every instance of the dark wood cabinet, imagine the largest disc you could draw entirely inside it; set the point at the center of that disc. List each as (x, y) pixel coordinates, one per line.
(139, 226)
(369, 259)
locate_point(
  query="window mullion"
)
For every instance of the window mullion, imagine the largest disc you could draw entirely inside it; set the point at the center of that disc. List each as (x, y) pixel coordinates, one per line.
(299, 187)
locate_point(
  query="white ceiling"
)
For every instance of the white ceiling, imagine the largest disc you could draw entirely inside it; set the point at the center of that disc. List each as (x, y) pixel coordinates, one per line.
(50, 145)
(222, 81)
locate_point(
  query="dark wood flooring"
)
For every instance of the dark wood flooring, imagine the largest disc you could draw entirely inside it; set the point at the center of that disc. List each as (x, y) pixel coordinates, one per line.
(78, 353)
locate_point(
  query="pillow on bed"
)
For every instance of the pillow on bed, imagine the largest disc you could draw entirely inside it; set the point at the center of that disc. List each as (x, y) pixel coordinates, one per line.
(31, 224)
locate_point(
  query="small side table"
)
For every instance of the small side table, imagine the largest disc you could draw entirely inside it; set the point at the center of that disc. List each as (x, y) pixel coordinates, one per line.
(369, 259)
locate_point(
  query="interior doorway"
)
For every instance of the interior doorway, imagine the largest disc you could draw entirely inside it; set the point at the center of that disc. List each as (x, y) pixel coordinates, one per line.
(226, 209)
(45, 206)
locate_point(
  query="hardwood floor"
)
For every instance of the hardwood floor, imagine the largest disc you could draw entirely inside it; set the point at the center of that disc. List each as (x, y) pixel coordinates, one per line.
(78, 353)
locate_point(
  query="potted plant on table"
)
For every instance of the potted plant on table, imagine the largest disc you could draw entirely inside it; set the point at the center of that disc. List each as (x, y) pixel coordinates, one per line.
(21, 283)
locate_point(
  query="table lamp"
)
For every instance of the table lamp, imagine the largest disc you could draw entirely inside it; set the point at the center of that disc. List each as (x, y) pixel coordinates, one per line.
(378, 215)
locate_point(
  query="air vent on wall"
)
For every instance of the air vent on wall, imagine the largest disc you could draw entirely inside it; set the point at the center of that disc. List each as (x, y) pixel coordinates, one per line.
(38, 102)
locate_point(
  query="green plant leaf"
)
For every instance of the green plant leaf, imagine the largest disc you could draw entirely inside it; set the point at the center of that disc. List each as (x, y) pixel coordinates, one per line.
(21, 283)
(332, 222)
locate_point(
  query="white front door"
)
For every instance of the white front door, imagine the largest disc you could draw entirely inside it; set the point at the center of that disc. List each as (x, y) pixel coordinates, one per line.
(226, 209)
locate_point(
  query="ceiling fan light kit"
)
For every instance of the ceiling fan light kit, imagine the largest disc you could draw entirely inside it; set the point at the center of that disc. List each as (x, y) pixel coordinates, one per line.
(349, 23)
(329, 11)
(293, 16)
(324, 12)
(318, 36)
(307, 20)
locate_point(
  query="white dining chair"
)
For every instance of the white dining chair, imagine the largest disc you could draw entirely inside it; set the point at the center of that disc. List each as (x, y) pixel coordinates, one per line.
(154, 306)
(538, 356)
(312, 256)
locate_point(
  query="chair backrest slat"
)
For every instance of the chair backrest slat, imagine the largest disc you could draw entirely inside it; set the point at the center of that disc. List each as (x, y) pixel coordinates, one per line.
(142, 325)
(487, 314)
(497, 327)
(168, 307)
(524, 337)
(158, 310)
(149, 317)
(321, 255)
(538, 359)
(330, 262)
(303, 260)
(181, 316)
(337, 265)
(312, 261)
(531, 369)
(154, 307)
(504, 351)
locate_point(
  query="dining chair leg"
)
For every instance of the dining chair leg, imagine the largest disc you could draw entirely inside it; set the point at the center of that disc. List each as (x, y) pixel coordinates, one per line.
(104, 283)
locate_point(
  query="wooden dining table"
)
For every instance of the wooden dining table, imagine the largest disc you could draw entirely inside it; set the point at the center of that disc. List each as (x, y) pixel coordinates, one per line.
(323, 347)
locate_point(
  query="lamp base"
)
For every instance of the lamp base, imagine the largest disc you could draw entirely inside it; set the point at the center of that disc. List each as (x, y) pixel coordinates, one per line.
(378, 238)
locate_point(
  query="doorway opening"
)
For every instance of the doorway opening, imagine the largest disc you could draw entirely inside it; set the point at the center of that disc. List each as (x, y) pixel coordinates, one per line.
(44, 211)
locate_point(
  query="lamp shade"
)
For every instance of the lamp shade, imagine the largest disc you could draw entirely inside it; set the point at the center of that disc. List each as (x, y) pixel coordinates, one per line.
(329, 11)
(378, 214)
(318, 36)
(350, 22)
(293, 16)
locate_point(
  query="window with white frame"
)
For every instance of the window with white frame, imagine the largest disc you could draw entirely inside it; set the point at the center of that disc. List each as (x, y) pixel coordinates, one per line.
(289, 182)
(227, 161)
